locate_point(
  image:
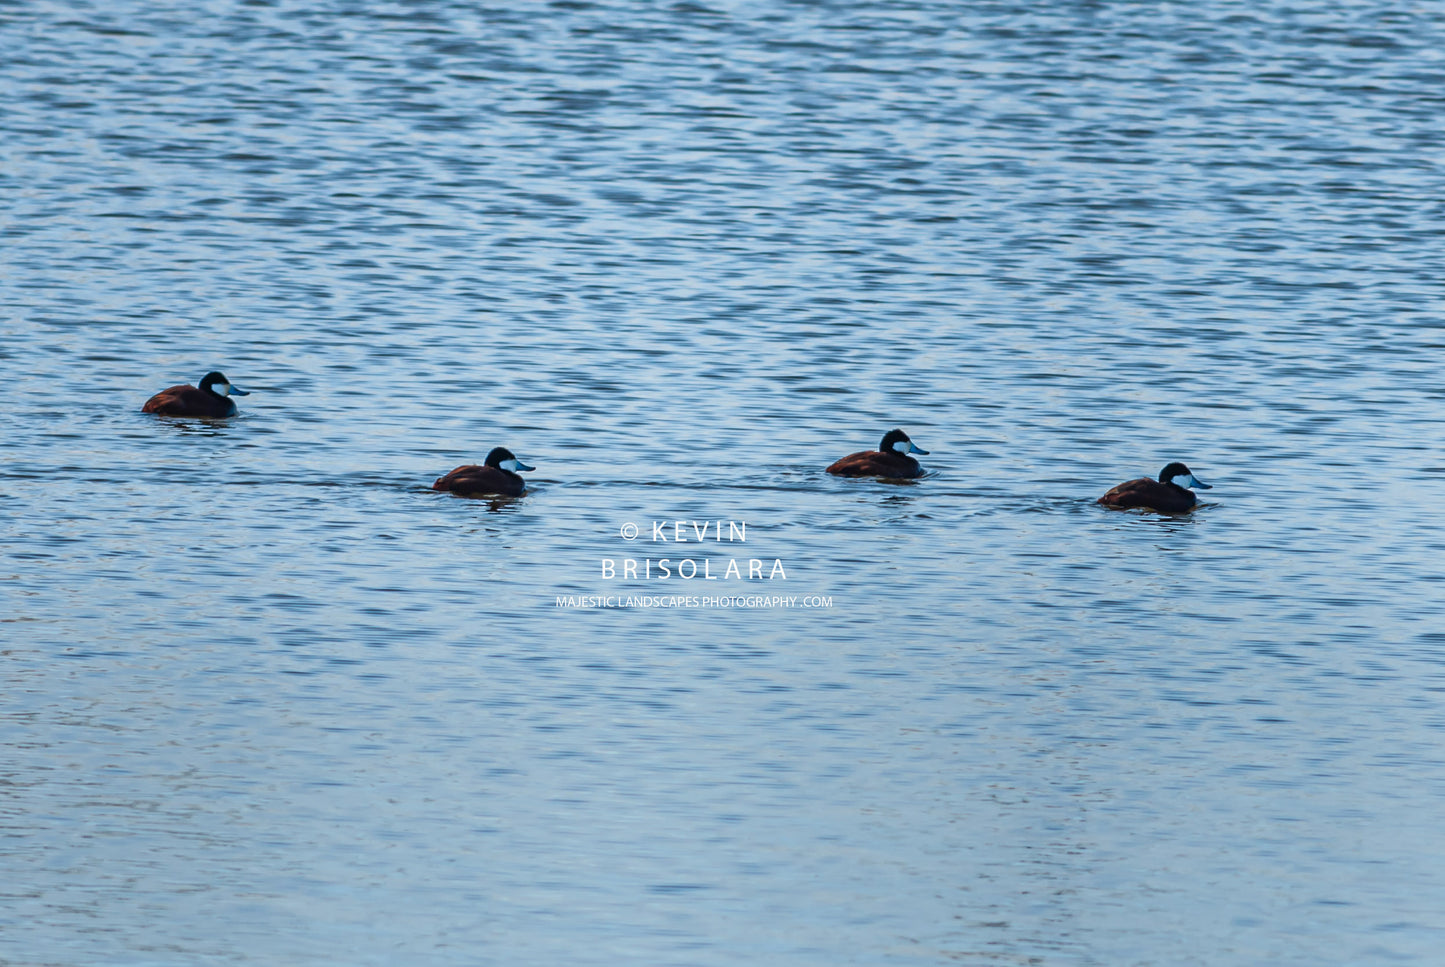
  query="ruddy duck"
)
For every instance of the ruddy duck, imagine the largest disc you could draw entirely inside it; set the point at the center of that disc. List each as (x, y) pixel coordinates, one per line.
(497, 476)
(889, 460)
(1168, 494)
(208, 401)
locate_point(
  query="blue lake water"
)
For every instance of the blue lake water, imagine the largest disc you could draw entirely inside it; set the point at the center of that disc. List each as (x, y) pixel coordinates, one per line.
(269, 699)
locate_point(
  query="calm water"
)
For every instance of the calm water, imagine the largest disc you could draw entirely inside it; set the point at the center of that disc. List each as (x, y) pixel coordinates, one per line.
(268, 699)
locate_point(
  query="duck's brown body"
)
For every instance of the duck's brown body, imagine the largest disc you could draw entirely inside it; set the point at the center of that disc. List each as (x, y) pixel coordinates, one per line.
(1170, 494)
(481, 481)
(877, 463)
(891, 460)
(495, 477)
(186, 400)
(1150, 494)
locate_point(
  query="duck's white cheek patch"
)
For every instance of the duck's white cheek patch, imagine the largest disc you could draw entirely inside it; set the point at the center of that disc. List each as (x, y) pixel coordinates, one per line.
(901, 446)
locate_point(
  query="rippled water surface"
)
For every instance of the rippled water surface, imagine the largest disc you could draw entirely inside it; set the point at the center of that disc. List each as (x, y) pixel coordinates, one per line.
(268, 699)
